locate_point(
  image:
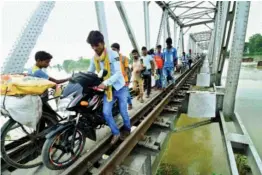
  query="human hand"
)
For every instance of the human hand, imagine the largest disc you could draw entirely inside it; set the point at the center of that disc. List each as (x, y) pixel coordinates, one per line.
(102, 86)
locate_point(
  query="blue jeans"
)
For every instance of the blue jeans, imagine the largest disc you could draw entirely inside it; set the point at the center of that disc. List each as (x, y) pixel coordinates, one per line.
(160, 79)
(129, 99)
(168, 72)
(121, 96)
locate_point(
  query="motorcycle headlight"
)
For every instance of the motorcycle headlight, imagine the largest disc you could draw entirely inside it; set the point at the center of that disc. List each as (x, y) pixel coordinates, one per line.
(63, 104)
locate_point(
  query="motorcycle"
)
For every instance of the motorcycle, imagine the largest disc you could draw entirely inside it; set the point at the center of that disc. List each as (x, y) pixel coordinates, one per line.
(83, 100)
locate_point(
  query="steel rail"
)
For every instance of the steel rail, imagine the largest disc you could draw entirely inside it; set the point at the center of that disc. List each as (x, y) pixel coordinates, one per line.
(84, 163)
(127, 145)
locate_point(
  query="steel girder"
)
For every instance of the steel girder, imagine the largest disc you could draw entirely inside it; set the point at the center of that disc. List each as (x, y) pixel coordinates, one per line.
(23, 46)
(201, 36)
(203, 45)
(226, 36)
(164, 5)
(101, 20)
(199, 15)
(160, 29)
(235, 59)
(147, 26)
(128, 27)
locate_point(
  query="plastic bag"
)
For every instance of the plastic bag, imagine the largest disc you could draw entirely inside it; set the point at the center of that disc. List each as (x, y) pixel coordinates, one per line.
(153, 82)
(24, 85)
(27, 110)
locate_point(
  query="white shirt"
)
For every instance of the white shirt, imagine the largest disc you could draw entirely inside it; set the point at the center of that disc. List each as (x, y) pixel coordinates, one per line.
(146, 61)
(116, 79)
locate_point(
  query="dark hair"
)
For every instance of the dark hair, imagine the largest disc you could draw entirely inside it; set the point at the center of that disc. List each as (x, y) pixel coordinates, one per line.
(134, 51)
(144, 48)
(95, 37)
(116, 45)
(159, 46)
(42, 55)
(151, 51)
(169, 40)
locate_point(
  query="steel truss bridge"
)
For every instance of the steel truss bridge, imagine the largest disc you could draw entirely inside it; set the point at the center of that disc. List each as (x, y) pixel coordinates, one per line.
(217, 16)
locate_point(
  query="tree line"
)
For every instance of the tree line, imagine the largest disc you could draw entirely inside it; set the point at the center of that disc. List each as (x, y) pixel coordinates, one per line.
(69, 65)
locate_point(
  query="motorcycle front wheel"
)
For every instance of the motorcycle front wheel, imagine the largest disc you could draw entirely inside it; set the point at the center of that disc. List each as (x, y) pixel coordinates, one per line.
(63, 149)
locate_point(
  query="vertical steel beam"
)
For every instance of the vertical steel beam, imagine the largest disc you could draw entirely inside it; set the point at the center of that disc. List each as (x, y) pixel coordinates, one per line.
(229, 18)
(238, 41)
(182, 40)
(218, 38)
(19, 54)
(211, 46)
(165, 28)
(128, 27)
(147, 26)
(175, 34)
(101, 20)
(189, 43)
(168, 26)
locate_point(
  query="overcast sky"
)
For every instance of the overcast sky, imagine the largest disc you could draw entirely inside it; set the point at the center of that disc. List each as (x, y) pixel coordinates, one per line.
(64, 34)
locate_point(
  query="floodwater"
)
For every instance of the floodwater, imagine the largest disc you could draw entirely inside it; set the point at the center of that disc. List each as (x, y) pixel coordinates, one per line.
(201, 150)
(196, 151)
(249, 102)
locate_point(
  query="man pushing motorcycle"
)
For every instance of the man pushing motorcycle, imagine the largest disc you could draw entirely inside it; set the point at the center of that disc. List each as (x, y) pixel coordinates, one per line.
(113, 84)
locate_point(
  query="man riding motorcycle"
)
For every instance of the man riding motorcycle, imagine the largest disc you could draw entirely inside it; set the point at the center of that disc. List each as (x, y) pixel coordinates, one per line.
(113, 84)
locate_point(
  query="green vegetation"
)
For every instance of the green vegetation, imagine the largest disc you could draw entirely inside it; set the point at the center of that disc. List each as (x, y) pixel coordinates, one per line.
(166, 168)
(81, 65)
(253, 47)
(69, 66)
(255, 44)
(242, 165)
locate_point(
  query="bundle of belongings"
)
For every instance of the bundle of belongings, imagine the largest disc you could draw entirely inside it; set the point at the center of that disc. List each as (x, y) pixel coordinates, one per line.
(20, 97)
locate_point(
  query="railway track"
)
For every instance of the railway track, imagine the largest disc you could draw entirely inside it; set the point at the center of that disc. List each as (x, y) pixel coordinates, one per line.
(142, 119)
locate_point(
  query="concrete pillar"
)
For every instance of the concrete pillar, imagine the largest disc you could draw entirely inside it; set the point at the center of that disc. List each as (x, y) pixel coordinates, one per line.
(101, 20)
(235, 58)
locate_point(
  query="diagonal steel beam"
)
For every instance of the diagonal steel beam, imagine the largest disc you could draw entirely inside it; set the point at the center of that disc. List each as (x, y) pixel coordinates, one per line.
(186, 30)
(160, 28)
(198, 23)
(210, 8)
(191, 8)
(162, 4)
(197, 17)
(212, 4)
(197, 13)
(208, 27)
(128, 27)
(180, 3)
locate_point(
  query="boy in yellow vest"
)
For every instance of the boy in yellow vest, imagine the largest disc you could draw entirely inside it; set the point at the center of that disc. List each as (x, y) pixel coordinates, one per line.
(125, 71)
(43, 60)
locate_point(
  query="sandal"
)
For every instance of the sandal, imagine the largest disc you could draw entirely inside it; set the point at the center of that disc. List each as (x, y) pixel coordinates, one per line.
(130, 107)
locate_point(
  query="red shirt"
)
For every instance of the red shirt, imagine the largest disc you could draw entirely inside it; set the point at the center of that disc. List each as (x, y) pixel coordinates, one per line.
(159, 61)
